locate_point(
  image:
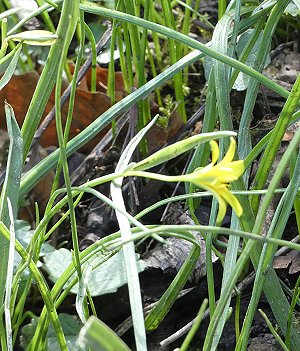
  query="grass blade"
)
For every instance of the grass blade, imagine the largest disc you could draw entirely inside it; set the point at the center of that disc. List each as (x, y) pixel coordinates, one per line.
(98, 336)
(10, 188)
(11, 68)
(39, 171)
(10, 268)
(164, 304)
(195, 327)
(48, 76)
(128, 248)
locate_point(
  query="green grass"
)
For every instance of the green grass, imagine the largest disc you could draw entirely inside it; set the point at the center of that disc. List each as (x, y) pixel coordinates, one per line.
(139, 26)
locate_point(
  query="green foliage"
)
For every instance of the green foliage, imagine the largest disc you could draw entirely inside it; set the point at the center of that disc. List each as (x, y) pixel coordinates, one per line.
(24, 235)
(104, 279)
(70, 326)
(242, 80)
(99, 337)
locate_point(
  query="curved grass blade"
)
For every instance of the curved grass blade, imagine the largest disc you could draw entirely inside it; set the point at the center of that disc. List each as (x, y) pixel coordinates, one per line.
(39, 171)
(11, 67)
(156, 316)
(98, 336)
(49, 74)
(128, 249)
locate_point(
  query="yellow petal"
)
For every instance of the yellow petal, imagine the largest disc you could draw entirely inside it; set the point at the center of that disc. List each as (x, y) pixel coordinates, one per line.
(230, 172)
(230, 152)
(222, 208)
(222, 204)
(215, 151)
(238, 168)
(200, 174)
(231, 200)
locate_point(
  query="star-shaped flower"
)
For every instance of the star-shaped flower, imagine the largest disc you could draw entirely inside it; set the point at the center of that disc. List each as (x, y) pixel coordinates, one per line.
(215, 177)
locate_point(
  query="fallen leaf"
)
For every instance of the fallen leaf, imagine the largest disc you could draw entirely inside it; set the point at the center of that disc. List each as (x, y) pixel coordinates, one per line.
(291, 260)
(88, 106)
(290, 132)
(157, 136)
(102, 81)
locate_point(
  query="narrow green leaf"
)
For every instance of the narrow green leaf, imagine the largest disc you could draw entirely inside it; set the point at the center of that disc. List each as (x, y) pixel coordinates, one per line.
(99, 337)
(10, 12)
(193, 43)
(9, 278)
(10, 188)
(128, 251)
(11, 68)
(156, 316)
(273, 331)
(275, 140)
(69, 16)
(195, 327)
(41, 284)
(39, 171)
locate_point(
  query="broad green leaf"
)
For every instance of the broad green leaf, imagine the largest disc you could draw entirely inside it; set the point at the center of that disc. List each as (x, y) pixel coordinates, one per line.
(71, 328)
(242, 80)
(104, 279)
(34, 37)
(24, 235)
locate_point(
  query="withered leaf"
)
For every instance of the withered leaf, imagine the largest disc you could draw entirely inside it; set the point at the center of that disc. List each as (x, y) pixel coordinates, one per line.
(18, 92)
(291, 260)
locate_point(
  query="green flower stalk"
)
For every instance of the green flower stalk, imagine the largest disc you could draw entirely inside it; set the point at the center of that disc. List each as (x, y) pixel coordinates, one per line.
(215, 177)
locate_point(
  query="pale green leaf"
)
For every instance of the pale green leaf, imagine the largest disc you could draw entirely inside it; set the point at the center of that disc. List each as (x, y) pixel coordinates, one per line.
(10, 69)
(71, 328)
(105, 279)
(293, 8)
(242, 80)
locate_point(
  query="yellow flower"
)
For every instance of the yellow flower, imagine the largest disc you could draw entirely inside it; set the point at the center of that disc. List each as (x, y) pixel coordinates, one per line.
(216, 178)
